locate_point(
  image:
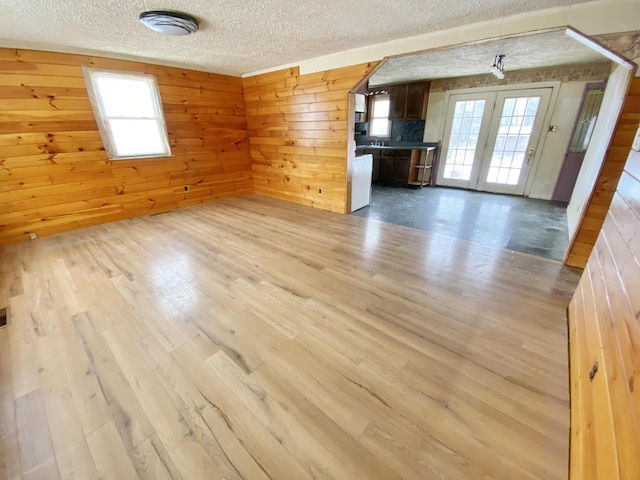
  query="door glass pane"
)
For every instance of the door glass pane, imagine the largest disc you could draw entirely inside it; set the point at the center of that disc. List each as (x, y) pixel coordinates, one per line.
(507, 111)
(518, 160)
(521, 105)
(512, 141)
(463, 140)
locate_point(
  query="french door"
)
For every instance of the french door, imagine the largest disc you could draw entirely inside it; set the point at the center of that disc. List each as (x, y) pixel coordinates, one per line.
(490, 139)
(467, 126)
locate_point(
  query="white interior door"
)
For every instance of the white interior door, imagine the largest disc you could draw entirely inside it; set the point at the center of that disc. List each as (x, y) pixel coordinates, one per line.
(513, 140)
(467, 124)
(490, 139)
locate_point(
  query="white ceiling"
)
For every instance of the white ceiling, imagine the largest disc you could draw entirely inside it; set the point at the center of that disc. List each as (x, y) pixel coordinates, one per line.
(238, 36)
(540, 50)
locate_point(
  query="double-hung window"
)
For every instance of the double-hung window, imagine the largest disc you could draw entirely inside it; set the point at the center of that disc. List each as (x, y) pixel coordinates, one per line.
(129, 113)
(380, 124)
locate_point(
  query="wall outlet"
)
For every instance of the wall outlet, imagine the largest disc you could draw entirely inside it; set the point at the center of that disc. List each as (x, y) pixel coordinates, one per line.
(33, 235)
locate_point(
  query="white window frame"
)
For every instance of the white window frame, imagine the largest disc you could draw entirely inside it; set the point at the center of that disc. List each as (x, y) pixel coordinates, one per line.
(373, 111)
(91, 75)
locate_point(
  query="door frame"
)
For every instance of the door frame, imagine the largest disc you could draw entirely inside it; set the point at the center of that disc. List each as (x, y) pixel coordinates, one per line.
(555, 87)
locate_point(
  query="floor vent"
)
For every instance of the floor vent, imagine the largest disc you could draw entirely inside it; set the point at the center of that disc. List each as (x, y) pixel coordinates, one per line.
(4, 318)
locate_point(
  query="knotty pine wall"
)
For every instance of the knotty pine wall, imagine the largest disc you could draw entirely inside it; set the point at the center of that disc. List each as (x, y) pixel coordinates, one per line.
(54, 173)
(299, 134)
(604, 327)
(611, 170)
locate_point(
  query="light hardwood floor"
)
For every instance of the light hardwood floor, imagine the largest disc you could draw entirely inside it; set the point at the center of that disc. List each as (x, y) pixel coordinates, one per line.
(254, 339)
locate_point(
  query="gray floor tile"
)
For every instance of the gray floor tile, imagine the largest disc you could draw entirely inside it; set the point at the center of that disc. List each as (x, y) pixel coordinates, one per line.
(538, 227)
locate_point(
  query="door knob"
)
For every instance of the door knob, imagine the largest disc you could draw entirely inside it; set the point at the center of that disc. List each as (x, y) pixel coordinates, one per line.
(530, 153)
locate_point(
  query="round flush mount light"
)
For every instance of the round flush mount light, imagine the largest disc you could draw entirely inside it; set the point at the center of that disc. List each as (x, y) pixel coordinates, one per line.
(169, 23)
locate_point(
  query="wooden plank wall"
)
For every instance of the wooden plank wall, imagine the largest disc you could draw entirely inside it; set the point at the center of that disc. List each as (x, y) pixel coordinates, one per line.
(54, 173)
(299, 134)
(604, 327)
(612, 166)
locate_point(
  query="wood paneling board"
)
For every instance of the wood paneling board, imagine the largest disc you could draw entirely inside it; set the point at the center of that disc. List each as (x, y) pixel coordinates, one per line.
(252, 338)
(298, 128)
(610, 172)
(54, 173)
(604, 327)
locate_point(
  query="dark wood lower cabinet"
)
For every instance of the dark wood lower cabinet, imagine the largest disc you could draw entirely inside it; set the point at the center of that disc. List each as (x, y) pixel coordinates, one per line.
(391, 167)
(401, 165)
(387, 168)
(375, 175)
(398, 167)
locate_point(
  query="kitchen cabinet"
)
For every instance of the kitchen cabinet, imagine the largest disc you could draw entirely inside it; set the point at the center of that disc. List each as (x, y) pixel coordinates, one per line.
(402, 167)
(408, 101)
(387, 168)
(390, 167)
(401, 162)
(415, 102)
(397, 102)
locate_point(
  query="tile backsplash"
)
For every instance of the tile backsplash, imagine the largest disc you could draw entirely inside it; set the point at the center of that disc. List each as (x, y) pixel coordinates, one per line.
(407, 131)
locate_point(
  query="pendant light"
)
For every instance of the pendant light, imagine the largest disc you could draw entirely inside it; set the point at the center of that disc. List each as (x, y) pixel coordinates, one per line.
(498, 67)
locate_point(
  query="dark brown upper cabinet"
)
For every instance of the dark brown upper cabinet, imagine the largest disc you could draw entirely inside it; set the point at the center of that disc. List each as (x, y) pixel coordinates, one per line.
(408, 101)
(398, 101)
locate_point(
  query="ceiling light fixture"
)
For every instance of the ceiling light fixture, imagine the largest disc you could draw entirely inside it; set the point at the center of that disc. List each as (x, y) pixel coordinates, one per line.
(368, 93)
(498, 66)
(169, 23)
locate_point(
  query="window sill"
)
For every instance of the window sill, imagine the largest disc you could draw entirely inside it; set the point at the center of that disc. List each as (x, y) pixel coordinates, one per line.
(140, 157)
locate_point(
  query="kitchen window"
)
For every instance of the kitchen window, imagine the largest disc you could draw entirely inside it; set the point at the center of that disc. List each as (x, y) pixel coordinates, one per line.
(128, 110)
(380, 123)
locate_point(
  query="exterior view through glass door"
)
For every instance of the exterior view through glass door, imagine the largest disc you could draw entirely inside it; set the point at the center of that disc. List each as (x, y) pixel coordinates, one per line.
(467, 123)
(491, 138)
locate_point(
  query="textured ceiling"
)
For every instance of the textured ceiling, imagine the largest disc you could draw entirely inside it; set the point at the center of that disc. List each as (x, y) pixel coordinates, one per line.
(529, 51)
(235, 36)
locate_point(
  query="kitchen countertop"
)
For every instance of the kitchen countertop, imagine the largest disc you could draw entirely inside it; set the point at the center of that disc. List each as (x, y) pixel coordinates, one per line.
(406, 146)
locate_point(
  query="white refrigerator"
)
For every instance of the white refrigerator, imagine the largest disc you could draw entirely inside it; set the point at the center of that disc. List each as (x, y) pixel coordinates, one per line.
(361, 182)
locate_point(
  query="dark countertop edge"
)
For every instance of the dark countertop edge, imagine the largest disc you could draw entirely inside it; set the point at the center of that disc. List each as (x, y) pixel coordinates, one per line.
(422, 146)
